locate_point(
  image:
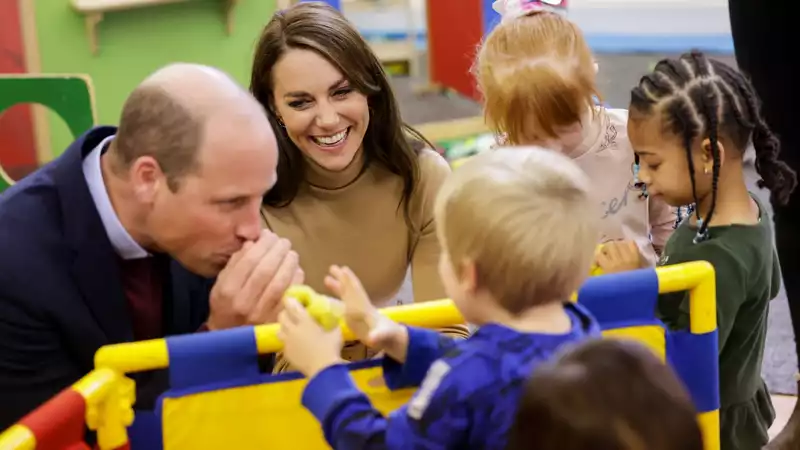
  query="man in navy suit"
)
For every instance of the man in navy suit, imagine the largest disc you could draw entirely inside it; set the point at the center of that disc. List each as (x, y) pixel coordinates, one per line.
(149, 230)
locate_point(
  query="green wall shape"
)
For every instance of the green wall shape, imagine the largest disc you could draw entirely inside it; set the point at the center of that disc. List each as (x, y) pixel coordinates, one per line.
(135, 43)
(68, 96)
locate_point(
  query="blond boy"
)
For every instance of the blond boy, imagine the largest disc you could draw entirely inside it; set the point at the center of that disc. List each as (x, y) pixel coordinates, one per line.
(518, 232)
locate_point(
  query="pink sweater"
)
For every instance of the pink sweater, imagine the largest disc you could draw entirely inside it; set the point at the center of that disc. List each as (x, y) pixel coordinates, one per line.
(606, 155)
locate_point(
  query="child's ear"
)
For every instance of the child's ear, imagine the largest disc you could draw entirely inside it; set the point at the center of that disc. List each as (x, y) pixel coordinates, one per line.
(708, 156)
(468, 276)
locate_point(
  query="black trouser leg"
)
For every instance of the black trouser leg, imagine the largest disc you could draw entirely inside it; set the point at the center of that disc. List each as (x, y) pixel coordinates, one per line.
(766, 44)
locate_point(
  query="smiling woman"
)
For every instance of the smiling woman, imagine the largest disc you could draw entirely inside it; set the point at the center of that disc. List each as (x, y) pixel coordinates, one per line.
(355, 184)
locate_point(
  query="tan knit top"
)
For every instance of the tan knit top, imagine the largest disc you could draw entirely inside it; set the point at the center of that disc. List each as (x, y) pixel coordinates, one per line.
(354, 218)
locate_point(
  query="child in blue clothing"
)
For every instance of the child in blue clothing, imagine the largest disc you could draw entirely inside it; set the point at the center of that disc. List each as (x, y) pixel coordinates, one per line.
(518, 230)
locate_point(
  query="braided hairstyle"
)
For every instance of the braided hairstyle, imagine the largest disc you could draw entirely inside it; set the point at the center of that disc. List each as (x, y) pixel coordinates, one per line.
(704, 98)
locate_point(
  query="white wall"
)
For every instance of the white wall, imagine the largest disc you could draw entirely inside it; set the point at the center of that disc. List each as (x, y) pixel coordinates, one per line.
(687, 17)
(610, 25)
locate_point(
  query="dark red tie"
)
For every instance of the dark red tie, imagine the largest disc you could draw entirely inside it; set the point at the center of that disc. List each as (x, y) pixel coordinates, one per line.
(142, 281)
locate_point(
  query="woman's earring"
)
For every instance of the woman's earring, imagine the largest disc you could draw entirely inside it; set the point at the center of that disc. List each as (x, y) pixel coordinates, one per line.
(278, 118)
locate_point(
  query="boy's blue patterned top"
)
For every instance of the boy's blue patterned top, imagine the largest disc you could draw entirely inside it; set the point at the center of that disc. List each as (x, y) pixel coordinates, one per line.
(468, 395)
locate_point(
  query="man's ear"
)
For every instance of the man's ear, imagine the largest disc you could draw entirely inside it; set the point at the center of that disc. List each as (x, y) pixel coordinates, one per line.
(146, 178)
(708, 155)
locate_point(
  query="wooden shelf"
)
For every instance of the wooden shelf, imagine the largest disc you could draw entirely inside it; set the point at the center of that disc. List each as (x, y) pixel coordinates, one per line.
(94, 10)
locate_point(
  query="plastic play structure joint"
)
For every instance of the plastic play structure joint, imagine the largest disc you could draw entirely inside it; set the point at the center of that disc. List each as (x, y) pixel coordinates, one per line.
(109, 406)
(102, 401)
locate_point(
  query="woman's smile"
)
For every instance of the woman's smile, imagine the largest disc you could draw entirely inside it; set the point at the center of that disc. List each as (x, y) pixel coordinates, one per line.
(331, 142)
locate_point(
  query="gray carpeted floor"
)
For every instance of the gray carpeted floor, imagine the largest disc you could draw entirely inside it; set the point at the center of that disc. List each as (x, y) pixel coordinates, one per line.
(618, 73)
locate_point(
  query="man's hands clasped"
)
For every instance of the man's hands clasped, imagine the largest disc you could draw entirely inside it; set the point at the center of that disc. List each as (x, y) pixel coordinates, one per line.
(249, 290)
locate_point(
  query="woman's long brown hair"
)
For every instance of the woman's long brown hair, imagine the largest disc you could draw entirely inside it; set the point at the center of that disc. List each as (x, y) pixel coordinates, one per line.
(319, 28)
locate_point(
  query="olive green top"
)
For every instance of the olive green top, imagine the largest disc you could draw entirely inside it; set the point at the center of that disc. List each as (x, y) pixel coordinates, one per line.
(748, 277)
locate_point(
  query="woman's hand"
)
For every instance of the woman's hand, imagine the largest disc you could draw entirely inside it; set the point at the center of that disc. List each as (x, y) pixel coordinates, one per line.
(363, 318)
(618, 256)
(307, 346)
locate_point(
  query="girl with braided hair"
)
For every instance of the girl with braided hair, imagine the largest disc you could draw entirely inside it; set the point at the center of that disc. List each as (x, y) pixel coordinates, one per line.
(690, 122)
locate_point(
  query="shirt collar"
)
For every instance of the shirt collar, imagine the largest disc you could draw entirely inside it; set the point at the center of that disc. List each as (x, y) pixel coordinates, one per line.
(120, 239)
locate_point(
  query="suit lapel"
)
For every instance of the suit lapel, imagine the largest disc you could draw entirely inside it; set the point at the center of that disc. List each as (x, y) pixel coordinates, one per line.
(94, 266)
(96, 272)
(177, 305)
(186, 297)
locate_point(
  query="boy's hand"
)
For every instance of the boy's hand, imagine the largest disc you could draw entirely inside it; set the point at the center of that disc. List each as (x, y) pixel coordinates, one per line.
(307, 345)
(362, 317)
(618, 256)
(359, 312)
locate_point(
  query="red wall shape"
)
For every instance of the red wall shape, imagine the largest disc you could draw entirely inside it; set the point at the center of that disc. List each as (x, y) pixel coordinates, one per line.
(17, 144)
(455, 29)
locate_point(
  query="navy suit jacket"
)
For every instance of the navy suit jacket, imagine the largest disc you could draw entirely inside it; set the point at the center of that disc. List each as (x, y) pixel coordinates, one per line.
(61, 297)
